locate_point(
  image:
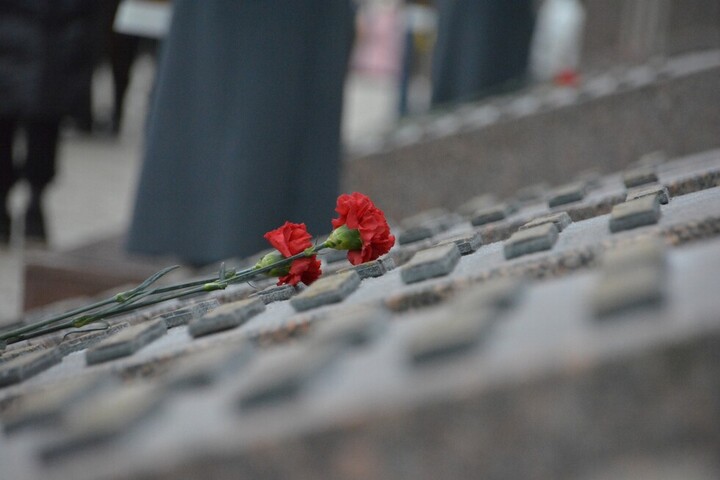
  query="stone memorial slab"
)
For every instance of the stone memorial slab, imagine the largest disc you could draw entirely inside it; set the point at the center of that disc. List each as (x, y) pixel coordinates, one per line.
(644, 252)
(652, 159)
(276, 293)
(477, 203)
(589, 178)
(531, 193)
(201, 369)
(14, 353)
(126, 342)
(635, 213)
(355, 325)
(466, 243)
(28, 365)
(102, 418)
(421, 296)
(560, 219)
(415, 234)
(282, 375)
(447, 336)
(491, 214)
(639, 176)
(573, 192)
(629, 290)
(226, 317)
(77, 340)
(660, 190)
(373, 268)
(185, 315)
(531, 240)
(44, 407)
(327, 290)
(388, 262)
(424, 225)
(497, 293)
(432, 262)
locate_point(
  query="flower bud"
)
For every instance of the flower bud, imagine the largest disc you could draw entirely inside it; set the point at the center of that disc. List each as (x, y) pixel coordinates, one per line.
(271, 258)
(342, 238)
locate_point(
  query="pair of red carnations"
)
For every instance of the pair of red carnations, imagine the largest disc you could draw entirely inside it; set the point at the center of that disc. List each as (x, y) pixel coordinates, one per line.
(361, 229)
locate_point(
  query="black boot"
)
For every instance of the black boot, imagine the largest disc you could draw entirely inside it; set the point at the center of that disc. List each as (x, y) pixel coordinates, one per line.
(35, 219)
(4, 226)
(5, 221)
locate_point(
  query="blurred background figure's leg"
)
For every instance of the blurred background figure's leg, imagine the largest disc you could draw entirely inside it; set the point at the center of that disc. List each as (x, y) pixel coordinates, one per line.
(482, 48)
(42, 135)
(7, 175)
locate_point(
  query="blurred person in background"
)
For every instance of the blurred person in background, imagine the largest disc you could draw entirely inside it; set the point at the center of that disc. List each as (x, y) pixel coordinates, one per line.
(46, 63)
(244, 127)
(482, 48)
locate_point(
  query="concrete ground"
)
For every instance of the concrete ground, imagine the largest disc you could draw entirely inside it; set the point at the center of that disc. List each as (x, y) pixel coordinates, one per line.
(92, 195)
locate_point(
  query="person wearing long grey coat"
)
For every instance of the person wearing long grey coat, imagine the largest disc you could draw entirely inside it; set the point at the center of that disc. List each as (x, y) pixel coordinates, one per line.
(244, 129)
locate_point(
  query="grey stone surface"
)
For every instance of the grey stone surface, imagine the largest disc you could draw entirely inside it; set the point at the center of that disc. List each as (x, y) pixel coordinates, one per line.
(466, 243)
(432, 262)
(184, 315)
(126, 342)
(545, 374)
(560, 219)
(531, 240)
(28, 365)
(640, 176)
(327, 290)
(573, 192)
(635, 213)
(490, 214)
(660, 190)
(226, 317)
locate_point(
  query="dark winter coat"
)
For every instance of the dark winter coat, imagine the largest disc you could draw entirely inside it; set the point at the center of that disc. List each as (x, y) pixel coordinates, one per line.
(244, 130)
(46, 56)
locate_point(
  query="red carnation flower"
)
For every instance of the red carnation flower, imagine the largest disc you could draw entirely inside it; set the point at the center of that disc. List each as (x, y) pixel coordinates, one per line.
(357, 212)
(305, 270)
(289, 240)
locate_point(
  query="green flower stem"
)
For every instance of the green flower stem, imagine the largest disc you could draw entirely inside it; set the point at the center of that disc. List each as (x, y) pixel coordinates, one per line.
(121, 297)
(133, 299)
